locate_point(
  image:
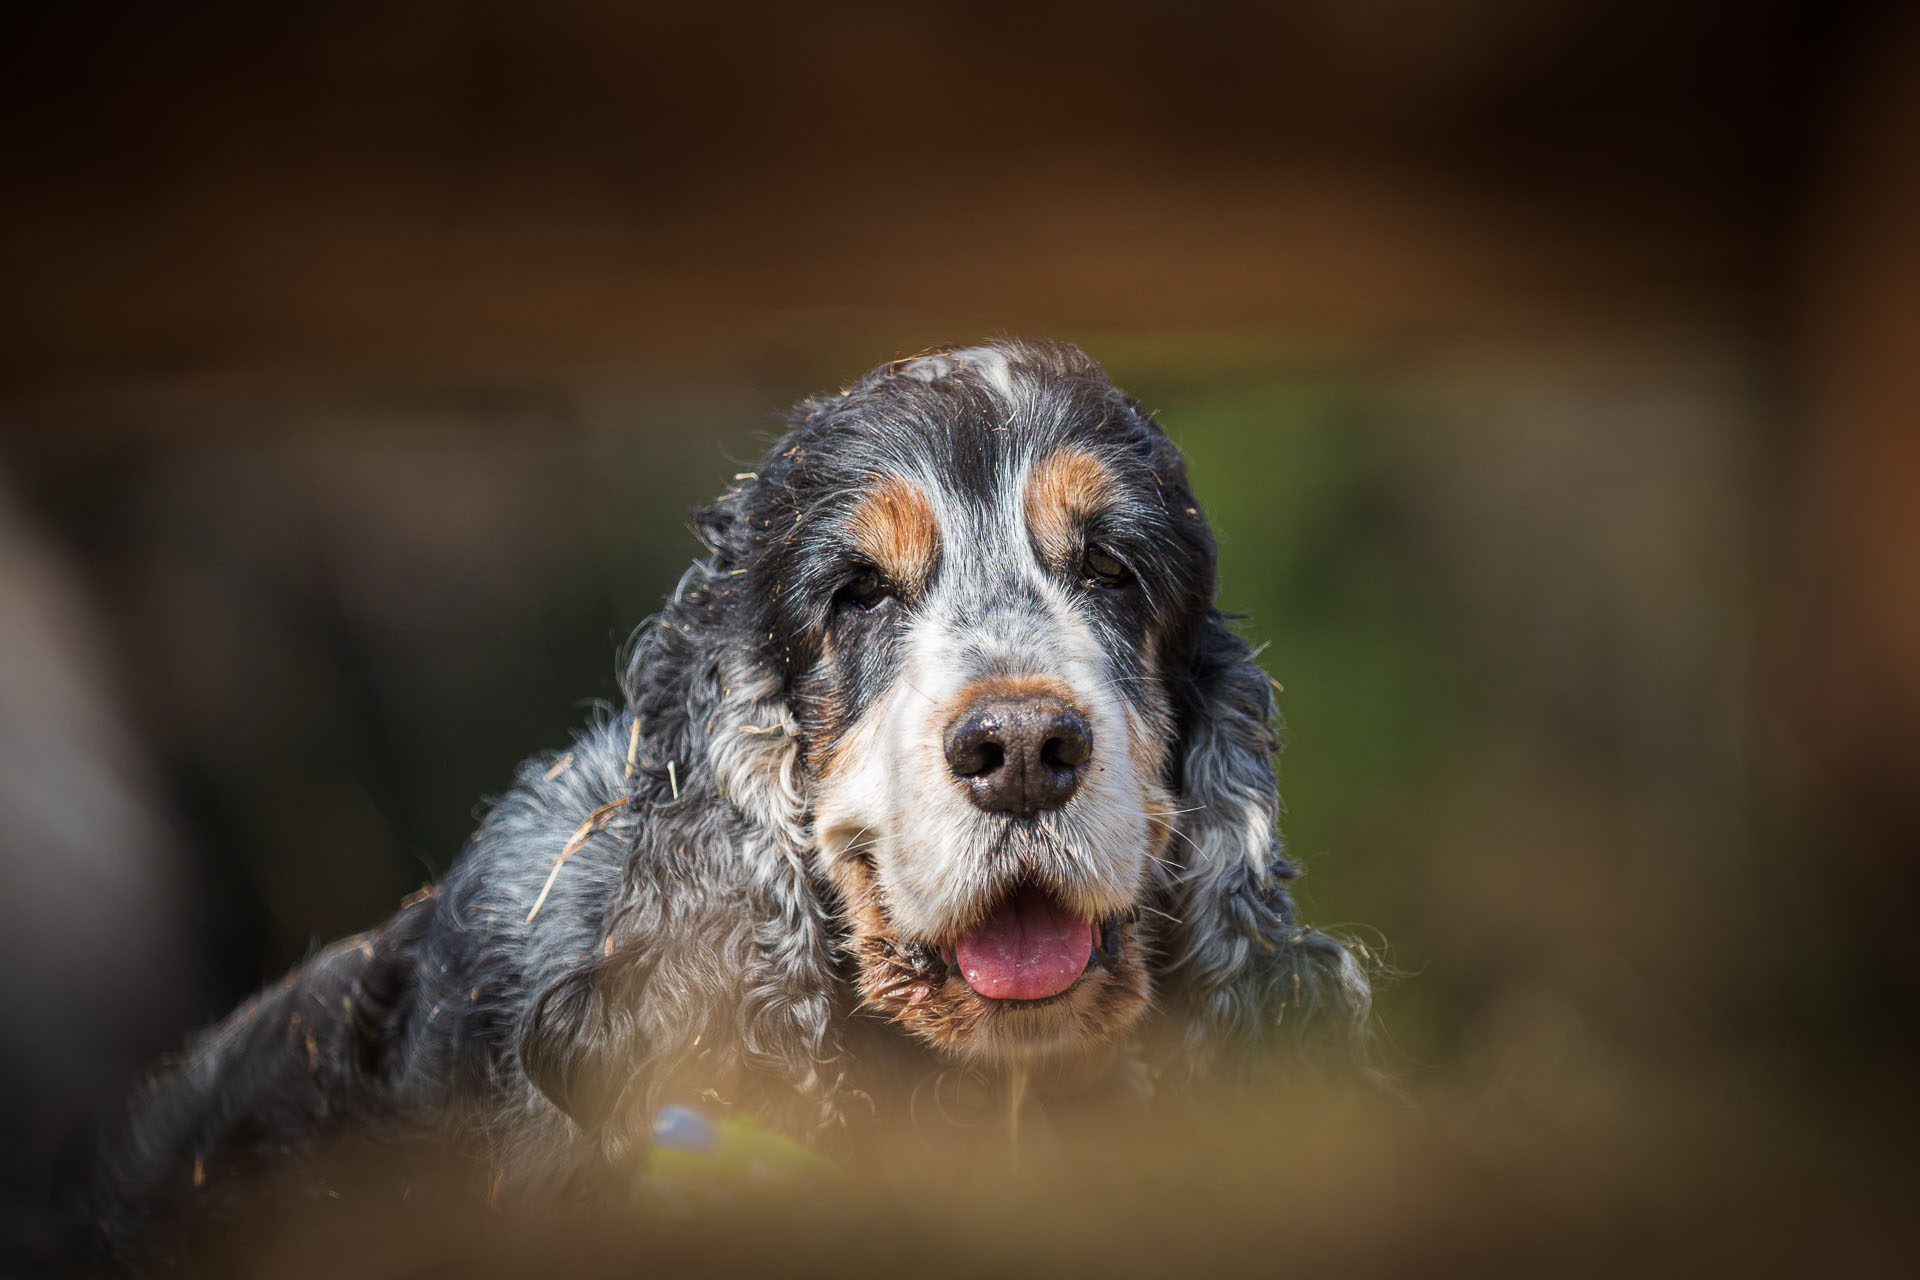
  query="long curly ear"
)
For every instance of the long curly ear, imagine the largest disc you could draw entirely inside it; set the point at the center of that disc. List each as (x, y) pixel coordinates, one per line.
(718, 970)
(1241, 966)
(569, 1036)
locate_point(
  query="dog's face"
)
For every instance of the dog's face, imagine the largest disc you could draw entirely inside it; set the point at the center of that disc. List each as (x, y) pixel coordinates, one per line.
(984, 571)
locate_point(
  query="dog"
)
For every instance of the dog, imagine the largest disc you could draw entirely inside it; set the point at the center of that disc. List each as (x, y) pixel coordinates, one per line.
(940, 757)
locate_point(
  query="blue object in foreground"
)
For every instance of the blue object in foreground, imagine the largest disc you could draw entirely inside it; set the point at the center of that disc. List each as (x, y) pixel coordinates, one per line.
(691, 1149)
(678, 1128)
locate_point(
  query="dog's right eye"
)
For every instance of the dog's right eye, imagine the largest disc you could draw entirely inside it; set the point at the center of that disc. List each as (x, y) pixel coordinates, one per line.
(865, 589)
(1100, 566)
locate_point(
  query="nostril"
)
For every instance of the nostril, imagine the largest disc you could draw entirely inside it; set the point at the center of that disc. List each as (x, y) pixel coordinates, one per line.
(1067, 748)
(974, 745)
(987, 757)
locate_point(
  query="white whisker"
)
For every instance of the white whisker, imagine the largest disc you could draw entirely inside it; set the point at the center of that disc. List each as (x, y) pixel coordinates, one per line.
(1157, 911)
(1173, 830)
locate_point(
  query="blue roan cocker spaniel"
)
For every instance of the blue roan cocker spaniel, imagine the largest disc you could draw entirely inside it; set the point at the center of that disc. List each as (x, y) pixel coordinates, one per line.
(940, 757)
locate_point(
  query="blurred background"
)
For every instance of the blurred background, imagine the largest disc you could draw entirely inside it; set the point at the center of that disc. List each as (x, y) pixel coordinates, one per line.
(1547, 368)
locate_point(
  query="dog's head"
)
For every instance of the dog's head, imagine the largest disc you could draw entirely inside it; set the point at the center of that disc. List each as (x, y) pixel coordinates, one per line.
(987, 584)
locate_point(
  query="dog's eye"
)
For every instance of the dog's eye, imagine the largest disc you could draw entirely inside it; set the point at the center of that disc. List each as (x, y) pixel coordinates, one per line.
(1102, 568)
(865, 589)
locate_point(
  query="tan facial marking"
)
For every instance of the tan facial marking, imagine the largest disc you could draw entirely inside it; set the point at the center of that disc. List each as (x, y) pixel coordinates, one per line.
(1027, 686)
(1064, 490)
(894, 527)
(823, 762)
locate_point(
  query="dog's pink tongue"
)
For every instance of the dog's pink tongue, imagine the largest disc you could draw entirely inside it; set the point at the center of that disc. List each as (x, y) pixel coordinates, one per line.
(1026, 950)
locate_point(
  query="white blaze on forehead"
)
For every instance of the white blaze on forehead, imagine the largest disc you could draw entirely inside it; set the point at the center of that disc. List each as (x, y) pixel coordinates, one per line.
(892, 796)
(989, 364)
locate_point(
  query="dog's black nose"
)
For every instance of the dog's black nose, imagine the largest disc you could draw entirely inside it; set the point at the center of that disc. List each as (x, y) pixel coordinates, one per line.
(1021, 756)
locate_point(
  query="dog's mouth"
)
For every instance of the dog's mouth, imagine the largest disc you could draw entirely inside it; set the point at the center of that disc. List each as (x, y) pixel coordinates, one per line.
(1031, 947)
(1033, 972)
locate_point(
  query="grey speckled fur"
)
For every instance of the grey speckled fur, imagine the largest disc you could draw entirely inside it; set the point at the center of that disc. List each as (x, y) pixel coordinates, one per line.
(690, 947)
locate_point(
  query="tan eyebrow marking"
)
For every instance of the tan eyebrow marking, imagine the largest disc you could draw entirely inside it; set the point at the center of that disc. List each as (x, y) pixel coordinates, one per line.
(1064, 490)
(894, 526)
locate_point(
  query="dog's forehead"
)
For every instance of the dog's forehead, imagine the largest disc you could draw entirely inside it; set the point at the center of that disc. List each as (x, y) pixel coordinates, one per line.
(974, 427)
(992, 465)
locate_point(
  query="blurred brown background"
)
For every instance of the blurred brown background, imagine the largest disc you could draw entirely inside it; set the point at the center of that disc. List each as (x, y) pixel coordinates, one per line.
(1547, 369)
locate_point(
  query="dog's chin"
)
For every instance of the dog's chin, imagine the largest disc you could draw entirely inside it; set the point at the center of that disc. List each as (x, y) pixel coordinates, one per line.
(1029, 976)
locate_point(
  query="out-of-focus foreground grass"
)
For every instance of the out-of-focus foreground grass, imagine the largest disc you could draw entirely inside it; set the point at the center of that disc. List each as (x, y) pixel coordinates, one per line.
(1514, 621)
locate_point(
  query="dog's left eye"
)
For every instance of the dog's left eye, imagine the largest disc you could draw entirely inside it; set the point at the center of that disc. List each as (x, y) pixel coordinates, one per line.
(865, 589)
(1103, 568)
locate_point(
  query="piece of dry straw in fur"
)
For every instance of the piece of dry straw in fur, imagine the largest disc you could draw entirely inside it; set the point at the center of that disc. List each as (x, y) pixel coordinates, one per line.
(581, 834)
